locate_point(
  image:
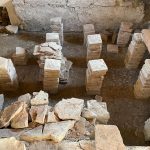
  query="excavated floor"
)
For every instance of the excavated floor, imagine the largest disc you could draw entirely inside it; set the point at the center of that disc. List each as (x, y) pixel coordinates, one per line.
(126, 112)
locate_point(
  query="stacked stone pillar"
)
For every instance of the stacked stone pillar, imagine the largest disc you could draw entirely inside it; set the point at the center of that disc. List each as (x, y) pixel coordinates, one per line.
(135, 52)
(51, 75)
(142, 86)
(95, 75)
(53, 37)
(56, 26)
(124, 34)
(94, 46)
(88, 29)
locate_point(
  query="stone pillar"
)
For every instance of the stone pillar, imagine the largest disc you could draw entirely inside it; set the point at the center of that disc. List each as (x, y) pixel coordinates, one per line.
(51, 75)
(135, 52)
(94, 46)
(142, 85)
(56, 26)
(95, 76)
(124, 34)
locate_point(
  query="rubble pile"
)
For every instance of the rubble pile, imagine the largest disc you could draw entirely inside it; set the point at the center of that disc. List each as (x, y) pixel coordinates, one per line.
(135, 52)
(95, 75)
(142, 85)
(124, 34)
(68, 120)
(8, 75)
(56, 26)
(51, 75)
(94, 46)
(52, 50)
(88, 29)
(20, 56)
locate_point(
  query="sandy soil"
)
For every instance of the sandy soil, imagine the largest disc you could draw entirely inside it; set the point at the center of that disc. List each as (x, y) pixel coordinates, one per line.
(126, 112)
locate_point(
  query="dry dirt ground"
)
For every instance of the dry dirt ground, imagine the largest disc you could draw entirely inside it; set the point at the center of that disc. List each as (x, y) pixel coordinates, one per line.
(126, 112)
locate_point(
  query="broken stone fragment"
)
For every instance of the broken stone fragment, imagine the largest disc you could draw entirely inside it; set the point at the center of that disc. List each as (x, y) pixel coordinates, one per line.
(20, 120)
(1, 101)
(38, 113)
(33, 135)
(88, 114)
(57, 131)
(12, 29)
(147, 130)
(69, 108)
(51, 117)
(87, 144)
(108, 137)
(10, 112)
(25, 98)
(100, 109)
(40, 99)
(43, 145)
(11, 144)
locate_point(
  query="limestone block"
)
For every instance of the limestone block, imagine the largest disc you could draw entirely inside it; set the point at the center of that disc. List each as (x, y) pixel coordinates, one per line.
(108, 137)
(10, 112)
(69, 108)
(11, 144)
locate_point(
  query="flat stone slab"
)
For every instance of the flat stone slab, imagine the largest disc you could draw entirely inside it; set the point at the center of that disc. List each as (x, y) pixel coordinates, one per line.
(10, 112)
(69, 108)
(57, 131)
(108, 137)
(20, 121)
(11, 144)
(100, 110)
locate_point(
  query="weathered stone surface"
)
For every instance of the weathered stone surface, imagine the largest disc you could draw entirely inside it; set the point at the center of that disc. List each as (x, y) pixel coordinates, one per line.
(147, 130)
(11, 144)
(51, 117)
(57, 131)
(137, 148)
(12, 29)
(87, 144)
(88, 114)
(25, 98)
(108, 137)
(69, 108)
(40, 99)
(100, 109)
(1, 101)
(43, 145)
(10, 112)
(20, 120)
(38, 113)
(76, 13)
(68, 145)
(33, 135)
(7, 133)
(146, 37)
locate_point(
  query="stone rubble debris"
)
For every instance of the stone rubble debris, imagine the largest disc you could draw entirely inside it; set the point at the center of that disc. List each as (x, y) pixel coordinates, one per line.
(124, 34)
(8, 75)
(56, 26)
(135, 52)
(94, 46)
(95, 75)
(20, 57)
(12, 29)
(51, 75)
(88, 29)
(142, 85)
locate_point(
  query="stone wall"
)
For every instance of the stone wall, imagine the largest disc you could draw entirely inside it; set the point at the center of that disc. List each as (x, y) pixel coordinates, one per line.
(104, 14)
